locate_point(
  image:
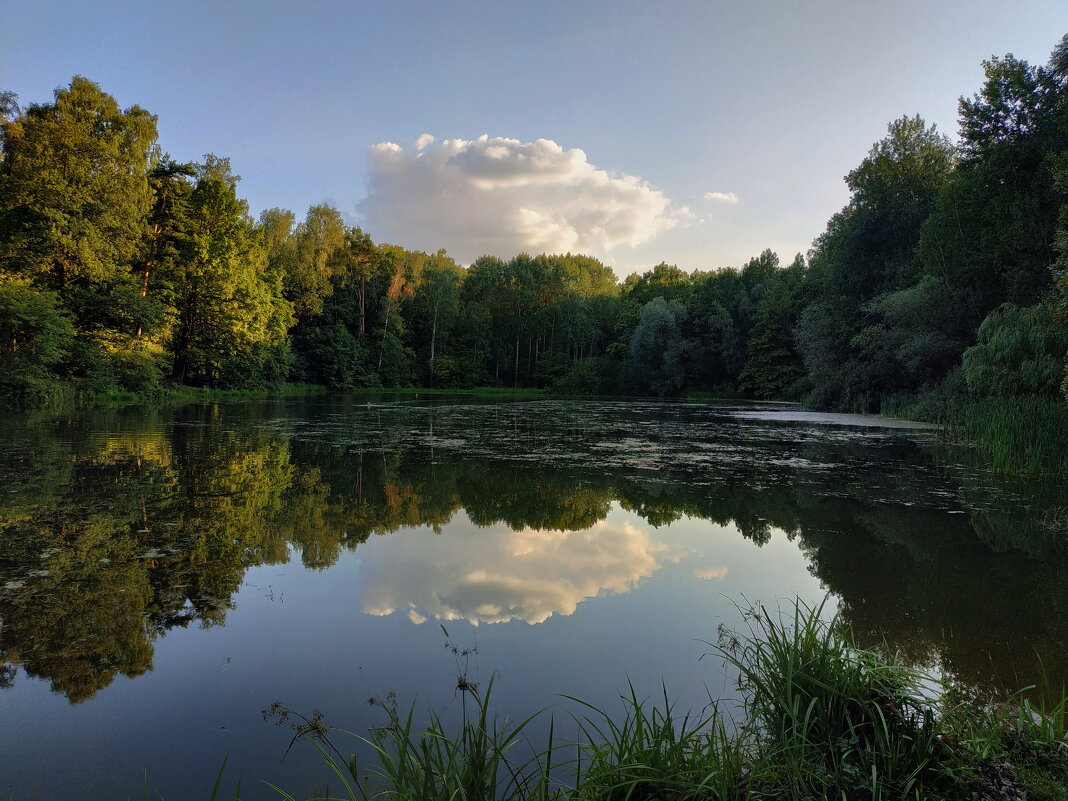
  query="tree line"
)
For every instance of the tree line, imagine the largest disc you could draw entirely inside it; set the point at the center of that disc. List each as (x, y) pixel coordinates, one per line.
(945, 276)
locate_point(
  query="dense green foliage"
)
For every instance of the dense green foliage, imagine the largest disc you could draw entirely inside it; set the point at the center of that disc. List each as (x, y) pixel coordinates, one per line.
(944, 278)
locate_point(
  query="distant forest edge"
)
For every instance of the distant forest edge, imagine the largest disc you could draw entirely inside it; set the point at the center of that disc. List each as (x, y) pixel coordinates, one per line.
(944, 279)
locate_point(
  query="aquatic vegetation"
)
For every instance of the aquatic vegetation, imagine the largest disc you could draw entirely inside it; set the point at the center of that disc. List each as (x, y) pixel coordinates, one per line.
(820, 718)
(1020, 435)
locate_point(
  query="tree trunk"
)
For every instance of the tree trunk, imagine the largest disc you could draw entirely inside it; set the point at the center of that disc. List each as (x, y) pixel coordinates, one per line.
(363, 309)
(517, 359)
(433, 342)
(185, 342)
(148, 266)
(156, 230)
(382, 345)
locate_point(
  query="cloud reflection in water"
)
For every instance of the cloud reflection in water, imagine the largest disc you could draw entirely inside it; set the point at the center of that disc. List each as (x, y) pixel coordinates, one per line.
(494, 575)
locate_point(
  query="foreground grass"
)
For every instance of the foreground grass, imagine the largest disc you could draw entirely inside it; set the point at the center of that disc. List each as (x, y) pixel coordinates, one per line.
(821, 719)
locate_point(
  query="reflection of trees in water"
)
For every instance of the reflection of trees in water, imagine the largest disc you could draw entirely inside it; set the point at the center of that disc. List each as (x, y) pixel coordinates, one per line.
(115, 528)
(148, 532)
(942, 594)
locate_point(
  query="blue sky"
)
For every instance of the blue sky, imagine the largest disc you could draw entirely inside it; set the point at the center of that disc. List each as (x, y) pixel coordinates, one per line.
(771, 102)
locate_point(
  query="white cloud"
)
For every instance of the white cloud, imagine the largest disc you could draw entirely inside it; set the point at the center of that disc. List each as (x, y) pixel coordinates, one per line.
(722, 197)
(712, 573)
(500, 196)
(495, 575)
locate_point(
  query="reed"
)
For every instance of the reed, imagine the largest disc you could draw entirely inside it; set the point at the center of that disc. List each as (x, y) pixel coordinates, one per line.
(1019, 435)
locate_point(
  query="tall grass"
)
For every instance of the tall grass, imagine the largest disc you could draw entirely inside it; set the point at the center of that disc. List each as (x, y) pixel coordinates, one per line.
(1020, 435)
(831, 718)
(484, 761)
(820, 719)
(654, 752)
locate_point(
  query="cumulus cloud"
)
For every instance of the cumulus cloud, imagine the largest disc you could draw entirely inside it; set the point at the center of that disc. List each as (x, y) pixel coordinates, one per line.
(722, 197)
(499, 196)
(711, 573)
(495, 575)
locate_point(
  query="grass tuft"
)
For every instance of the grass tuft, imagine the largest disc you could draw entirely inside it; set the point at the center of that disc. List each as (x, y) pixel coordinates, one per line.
(820, 719)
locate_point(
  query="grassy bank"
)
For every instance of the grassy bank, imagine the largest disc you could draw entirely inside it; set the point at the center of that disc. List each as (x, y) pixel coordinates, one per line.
(185, 394)
(821, 719)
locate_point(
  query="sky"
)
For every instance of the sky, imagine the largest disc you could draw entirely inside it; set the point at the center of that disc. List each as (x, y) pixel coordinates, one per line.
(696, 133)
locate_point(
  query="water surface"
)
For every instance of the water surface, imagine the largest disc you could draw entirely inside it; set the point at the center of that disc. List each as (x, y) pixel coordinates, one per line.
(166, 575)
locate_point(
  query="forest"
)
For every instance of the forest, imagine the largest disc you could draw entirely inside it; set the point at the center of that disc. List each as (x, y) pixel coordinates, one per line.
(945, 277)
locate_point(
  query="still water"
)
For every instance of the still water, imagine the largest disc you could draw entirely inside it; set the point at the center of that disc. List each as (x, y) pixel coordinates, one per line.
(165, 575)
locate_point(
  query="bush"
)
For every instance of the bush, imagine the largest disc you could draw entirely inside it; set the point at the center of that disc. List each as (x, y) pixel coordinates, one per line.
(35, 334)
(1021, 351)
(590, 376)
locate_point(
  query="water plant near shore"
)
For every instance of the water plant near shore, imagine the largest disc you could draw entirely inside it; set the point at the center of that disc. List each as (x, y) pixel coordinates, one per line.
(820, 718)
(1020, 435)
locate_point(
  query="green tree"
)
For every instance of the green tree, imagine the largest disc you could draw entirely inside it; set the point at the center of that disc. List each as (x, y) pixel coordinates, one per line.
(1060, 267)
(915, 335)
(664, 281)
(773, 365)
(719, 321)
(866, 252)
(869, 245)
(333, 355)
(991, 232)
(315, 260)
(436, 303)
(1021, 351)
(232, 318)
(276, 227)
(399, 268)
(168, 217)
(657, 349)
(361, 258)
(332, 347)
(35, 334)
(9, 105)
(74, 189)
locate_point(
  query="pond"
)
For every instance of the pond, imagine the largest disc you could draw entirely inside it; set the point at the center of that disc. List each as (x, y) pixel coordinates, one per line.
(167, 574)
